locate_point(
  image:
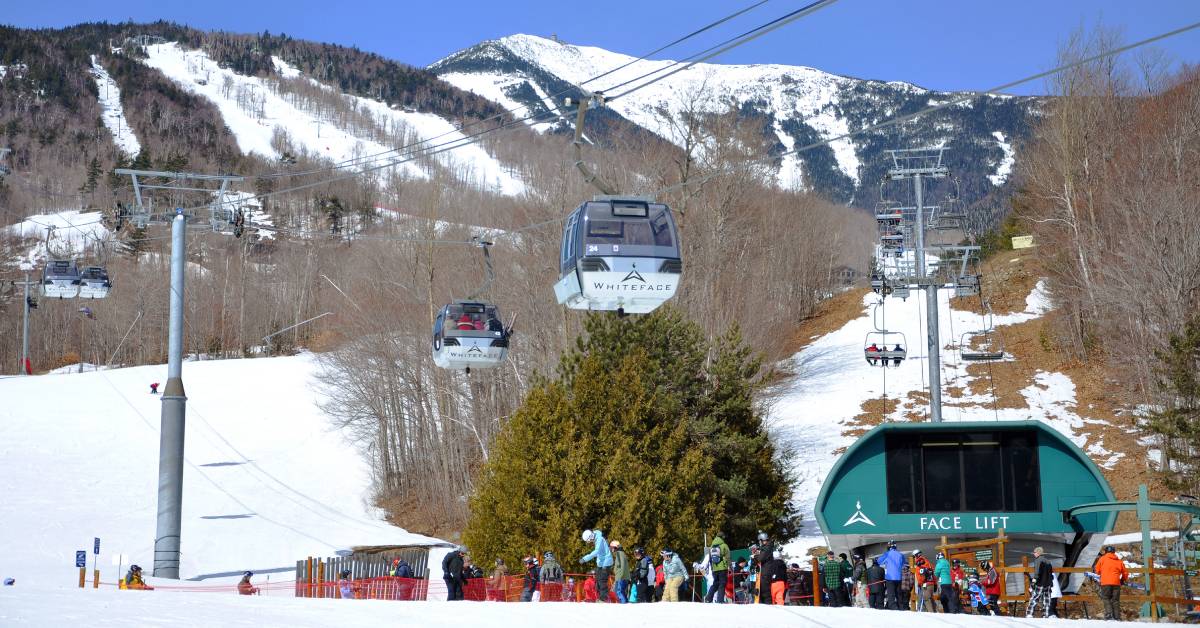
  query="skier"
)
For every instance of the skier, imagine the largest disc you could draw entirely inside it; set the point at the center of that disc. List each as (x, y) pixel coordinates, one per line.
(154, 388)
(764, 555)
(643, 575)
(945, 580)
(893, 567)
(1041, 573)
(452, 573)
(620, 572)
(551, 577)
(925, 580)
(979, 599)
(832, 578)
(402, 570)
(718, 562)
(776, 573)
(531, 579)
(991, 585)
(675, 573)
(604, 560)
(244, 587)
(497, 589)
(876, 577)
(345, 585)
(133, 579)
(1113, 574)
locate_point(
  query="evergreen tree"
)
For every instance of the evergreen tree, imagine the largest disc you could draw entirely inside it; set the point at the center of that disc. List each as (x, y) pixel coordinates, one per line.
(1178, 422)
(649, 433)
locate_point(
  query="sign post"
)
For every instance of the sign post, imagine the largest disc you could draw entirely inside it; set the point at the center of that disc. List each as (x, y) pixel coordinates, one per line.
(81, 563)
(96, 563)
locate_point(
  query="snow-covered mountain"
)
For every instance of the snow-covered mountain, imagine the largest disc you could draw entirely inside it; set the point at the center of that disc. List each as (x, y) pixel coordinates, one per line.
(795, 105)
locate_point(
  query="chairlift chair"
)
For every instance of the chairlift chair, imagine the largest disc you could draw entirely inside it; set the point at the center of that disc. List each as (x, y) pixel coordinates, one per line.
(883, 347)
(966, 286)
(60, 278)
(94, 283)
(991, 348)
(900, 291)
(619, 254)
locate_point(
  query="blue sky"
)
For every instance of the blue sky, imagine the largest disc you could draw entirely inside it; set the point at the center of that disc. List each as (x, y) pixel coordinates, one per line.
(941, 44)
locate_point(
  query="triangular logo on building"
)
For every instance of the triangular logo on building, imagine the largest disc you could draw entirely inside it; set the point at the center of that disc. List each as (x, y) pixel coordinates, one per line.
(859, 516)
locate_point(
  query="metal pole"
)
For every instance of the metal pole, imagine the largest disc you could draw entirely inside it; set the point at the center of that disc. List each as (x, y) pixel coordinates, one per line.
(25, 329)
(934, 342)
(174, 408)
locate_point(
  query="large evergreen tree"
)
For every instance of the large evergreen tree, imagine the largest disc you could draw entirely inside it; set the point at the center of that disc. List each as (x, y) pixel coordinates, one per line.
(1178, 422)
(649, 432)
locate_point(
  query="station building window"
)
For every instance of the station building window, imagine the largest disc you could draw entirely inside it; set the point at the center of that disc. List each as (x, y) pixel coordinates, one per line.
(968, 472)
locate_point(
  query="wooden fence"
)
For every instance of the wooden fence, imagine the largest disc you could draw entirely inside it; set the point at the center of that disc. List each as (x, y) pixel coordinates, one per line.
(314, 576)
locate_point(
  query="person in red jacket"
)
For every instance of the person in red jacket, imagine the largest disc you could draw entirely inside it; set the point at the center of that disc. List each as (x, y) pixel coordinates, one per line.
(1113, 574)
(992, 583)
(959, 578)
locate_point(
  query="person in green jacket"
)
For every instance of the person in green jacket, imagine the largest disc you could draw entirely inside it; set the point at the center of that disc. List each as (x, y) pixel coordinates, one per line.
(620, 572)
(945, 581)
(833, 579)
(718, 563)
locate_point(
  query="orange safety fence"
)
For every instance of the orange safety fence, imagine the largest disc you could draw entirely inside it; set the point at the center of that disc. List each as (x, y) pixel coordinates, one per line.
(259, 588)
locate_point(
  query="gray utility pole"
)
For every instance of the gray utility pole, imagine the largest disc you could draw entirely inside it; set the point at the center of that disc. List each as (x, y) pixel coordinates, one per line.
(26, 266)
(918, 164)
(174, 410)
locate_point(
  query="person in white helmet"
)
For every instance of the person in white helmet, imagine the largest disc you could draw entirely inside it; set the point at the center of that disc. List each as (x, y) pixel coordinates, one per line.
(604, 561)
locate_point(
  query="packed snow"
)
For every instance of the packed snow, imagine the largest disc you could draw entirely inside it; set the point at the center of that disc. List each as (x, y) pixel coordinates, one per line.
(113, 113)
(833, 379)
(1006, 163)
(254, 110)
(72, 233)
(268, 479)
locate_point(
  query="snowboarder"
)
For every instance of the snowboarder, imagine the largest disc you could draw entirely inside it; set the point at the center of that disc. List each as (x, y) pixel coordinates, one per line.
(133, 579)
(1041, 573)
(604, 560)
(244, 587)
(1113, 574)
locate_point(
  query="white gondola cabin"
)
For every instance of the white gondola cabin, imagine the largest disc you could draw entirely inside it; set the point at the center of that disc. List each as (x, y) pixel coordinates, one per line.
(469, 334)
(619, 254)
(60, 278)
(94, 283)
(885, 348)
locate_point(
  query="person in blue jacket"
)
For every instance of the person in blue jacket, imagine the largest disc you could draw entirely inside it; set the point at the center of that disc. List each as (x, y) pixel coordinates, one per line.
(893, 572)
(604, 561)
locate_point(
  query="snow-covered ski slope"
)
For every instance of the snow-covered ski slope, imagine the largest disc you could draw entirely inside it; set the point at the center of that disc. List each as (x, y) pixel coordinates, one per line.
(254, 109)
(67, 233)
(20, 606)
(113, 113)
(267, 481)
(833, 379)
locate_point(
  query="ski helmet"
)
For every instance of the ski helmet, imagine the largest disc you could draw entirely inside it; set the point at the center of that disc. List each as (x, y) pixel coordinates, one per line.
(588, 536)
(135, 568)
(892, 544)
(916, 552)
(940, 555)
(762, 536)
(547, 555)
(248, 574)
(1108, 549)
(614, 544)
(8, 582)
(345, 573)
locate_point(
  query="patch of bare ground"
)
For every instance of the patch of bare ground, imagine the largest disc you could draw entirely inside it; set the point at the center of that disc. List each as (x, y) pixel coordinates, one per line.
(831, 315)
(1101, 401)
